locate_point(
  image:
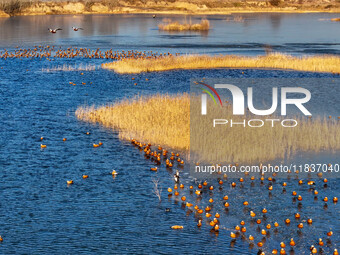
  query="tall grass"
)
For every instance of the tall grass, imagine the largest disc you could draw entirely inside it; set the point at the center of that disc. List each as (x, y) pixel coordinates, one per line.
(159, 119)
(319, 63)
(204, 25)
(247, 144)
(165, 120)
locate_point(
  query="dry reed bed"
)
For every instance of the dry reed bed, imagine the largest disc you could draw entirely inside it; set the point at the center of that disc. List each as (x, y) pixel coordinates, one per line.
(319, 63)
(159, 119)
(165, 120)
(204, 25)
(225, 144)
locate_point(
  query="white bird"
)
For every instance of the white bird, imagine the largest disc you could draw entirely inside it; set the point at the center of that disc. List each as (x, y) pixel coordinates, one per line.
(53, 31)
(177, 173)
(176, 176)
(77, 28)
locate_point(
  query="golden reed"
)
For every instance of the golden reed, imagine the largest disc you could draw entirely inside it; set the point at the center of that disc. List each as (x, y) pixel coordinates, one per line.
(165, 120)
(159, 119)
(320, 63)
(204, 25)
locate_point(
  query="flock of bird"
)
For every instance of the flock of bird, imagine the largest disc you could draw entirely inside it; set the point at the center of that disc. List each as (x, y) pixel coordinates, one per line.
(52, 52)
(158, 155)
(204, 214)
(54, 30)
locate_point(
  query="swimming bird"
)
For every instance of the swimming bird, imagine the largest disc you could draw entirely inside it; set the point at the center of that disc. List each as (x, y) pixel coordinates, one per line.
(314, 250)
(154, 16)
(77, 28)
(53, 31)
(321, 243)
(176, 176)
(177, 227)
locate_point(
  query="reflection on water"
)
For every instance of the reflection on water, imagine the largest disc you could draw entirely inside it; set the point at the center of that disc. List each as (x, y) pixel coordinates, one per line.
(237, 33)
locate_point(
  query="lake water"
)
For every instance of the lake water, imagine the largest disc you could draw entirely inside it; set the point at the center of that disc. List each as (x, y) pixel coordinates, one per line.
(293, 33)
(40, 214)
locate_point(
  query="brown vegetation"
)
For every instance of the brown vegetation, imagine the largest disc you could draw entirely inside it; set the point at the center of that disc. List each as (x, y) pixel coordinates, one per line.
(165, 120)
(158, 119)
(321, 63)
(176, 26)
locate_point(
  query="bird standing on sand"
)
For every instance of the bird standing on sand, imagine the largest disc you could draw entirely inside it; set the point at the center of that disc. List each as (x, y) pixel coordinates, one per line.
(53, 31)
(77, 28)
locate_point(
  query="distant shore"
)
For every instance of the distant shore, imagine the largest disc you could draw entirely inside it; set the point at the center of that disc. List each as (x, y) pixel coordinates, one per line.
(22, 7)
